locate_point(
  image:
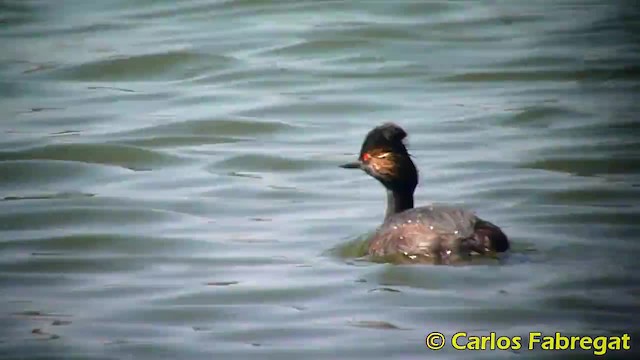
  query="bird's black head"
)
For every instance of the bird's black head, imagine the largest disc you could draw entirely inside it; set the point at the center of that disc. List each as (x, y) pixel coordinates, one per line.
(385, 157)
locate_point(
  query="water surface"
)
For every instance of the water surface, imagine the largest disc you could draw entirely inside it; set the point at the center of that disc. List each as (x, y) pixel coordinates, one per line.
(169, 181)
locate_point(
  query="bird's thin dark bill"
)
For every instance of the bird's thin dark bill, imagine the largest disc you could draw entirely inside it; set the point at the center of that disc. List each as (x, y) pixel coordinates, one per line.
(351, 165)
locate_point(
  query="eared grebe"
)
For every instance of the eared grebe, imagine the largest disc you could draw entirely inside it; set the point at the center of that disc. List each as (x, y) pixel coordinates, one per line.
(433, 234)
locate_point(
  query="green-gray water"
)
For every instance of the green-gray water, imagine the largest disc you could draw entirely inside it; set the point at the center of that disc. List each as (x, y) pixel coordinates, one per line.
(169, 181)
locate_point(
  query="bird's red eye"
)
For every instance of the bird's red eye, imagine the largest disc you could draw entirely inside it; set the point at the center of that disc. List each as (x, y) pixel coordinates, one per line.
(366, 157)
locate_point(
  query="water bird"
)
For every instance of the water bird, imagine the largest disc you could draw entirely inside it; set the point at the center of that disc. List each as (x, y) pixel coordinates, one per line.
(436, 234)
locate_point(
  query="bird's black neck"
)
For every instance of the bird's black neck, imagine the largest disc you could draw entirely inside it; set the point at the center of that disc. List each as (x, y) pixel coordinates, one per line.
(398, 201)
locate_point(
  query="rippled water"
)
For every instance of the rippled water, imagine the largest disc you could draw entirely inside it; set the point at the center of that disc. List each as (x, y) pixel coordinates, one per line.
(170, 189)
